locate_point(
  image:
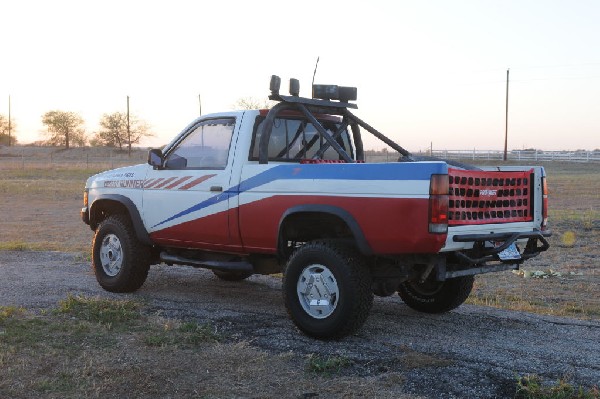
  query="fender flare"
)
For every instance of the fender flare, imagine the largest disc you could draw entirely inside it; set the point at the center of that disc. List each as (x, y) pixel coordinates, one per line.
(361, 242)
(134, 215)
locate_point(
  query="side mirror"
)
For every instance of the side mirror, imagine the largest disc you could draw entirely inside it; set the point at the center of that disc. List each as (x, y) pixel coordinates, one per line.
(155, 158)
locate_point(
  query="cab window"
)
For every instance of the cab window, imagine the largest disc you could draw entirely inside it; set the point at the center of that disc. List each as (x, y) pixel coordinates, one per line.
(205, 147)
(294, 139)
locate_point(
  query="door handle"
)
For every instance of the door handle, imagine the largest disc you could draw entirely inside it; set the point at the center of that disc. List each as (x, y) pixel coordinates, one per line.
(216, 188)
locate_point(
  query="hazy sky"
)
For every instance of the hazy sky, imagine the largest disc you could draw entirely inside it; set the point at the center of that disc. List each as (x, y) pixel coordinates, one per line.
(426, 71)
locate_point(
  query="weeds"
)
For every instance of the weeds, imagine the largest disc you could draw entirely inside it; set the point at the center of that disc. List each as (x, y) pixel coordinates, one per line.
(531, 387)
(326, 365)
(188, 334)
(10, 311)
(109, 312)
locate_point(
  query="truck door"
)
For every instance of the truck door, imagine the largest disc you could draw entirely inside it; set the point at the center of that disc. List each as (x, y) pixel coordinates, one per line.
(184, 202)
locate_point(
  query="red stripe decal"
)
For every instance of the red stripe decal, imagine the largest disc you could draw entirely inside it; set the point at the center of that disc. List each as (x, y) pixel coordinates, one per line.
(169, 180)
(153, 183)
(195, 182)
(177, 182)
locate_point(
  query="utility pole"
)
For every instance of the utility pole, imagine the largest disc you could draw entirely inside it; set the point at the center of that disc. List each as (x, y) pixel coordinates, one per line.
(506, 121)
(9, 122)
(200, 104)
(128, 130)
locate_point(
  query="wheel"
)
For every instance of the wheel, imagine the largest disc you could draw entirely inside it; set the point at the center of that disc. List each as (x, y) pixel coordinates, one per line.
(120, 261)
(327, 289)
(232, 275)
(436, 296)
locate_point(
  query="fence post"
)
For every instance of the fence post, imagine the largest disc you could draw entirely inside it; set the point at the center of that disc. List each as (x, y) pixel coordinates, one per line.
(23, 159)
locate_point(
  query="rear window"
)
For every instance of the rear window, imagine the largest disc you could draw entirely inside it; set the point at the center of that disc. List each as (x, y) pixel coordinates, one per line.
(293, 139)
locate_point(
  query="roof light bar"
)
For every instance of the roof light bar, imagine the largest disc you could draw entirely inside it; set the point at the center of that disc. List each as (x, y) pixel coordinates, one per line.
(334, 92)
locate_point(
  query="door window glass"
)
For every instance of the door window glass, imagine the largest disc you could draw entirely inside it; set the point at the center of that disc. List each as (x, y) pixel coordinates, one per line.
(205, 147)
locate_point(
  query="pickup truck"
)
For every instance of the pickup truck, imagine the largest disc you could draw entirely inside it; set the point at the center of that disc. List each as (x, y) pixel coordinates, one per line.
(288, 190)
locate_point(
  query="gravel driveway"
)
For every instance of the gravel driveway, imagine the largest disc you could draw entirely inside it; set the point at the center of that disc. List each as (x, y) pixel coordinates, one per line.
(473, 352)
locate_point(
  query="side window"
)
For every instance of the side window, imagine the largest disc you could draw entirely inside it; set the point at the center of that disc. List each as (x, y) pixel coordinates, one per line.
(296, 139)
(205, 147)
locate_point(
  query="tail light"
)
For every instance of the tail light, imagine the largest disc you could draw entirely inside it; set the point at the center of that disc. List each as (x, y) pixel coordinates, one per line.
(438, 204)
(544, 203)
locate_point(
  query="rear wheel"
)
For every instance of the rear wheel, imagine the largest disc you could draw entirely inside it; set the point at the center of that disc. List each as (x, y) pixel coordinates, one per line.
(120, 261)
(433, 296)
(327, 289)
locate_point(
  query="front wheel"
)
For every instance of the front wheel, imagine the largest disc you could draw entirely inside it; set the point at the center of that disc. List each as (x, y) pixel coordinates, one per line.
(433, 296)
(327, 289)
(120, 261)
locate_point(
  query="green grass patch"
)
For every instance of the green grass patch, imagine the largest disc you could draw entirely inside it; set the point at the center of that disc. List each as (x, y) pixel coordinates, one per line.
(109, 312)
(187, 334)
(326, 365)
(531, 387)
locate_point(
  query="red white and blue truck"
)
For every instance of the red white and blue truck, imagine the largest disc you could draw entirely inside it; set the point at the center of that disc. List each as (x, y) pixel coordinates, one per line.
(287, 190)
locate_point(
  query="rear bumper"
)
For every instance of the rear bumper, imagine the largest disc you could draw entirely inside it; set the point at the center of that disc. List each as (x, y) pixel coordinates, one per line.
(481, 254)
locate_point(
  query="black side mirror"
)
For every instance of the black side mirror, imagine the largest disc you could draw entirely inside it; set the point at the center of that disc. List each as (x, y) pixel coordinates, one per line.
(155, 158)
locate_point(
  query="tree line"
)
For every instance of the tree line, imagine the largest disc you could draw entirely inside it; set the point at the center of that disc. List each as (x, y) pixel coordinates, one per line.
(66, 129)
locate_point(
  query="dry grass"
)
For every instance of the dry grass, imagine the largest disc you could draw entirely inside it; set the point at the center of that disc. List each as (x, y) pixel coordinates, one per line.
(74, 353)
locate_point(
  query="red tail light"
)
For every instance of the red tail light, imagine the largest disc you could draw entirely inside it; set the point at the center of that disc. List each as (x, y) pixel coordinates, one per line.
(438, 204)
(544, 203)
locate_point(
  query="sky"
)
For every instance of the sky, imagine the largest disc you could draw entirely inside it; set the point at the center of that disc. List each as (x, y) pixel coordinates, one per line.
(429, 73)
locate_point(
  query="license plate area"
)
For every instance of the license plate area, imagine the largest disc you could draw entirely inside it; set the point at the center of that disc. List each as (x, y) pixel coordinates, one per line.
(510, 253)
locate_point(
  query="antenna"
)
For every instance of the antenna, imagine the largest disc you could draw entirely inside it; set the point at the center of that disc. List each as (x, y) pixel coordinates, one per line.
(315, 72)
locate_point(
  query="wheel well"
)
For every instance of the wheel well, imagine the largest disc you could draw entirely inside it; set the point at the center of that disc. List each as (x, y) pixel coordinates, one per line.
(103, 208)
(304, 226)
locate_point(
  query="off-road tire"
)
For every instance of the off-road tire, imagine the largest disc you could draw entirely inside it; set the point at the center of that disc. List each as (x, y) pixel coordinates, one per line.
(353, 284)
(134, 256)
(232, 275)
(436, 296)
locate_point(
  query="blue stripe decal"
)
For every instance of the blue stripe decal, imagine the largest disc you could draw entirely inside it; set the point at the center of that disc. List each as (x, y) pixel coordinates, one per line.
(386, 171)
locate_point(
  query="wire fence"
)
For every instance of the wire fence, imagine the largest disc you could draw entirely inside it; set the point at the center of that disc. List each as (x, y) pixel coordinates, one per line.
(26, 158)
(495, 155)
(520, 155)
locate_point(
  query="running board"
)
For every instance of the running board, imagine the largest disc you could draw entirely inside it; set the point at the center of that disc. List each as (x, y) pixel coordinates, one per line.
(237, 266)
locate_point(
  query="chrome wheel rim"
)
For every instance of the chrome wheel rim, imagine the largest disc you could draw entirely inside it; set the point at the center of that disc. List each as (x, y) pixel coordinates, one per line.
(111, 255)
(318, 291)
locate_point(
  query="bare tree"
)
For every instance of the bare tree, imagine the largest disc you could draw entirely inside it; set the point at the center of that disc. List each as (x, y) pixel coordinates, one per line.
(253, 103)
(5, 135)
(113, 130)
(64, 128)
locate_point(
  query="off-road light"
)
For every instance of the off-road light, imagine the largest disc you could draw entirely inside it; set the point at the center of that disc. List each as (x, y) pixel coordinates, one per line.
(294, 87)
(275, 84)
(334, 92)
